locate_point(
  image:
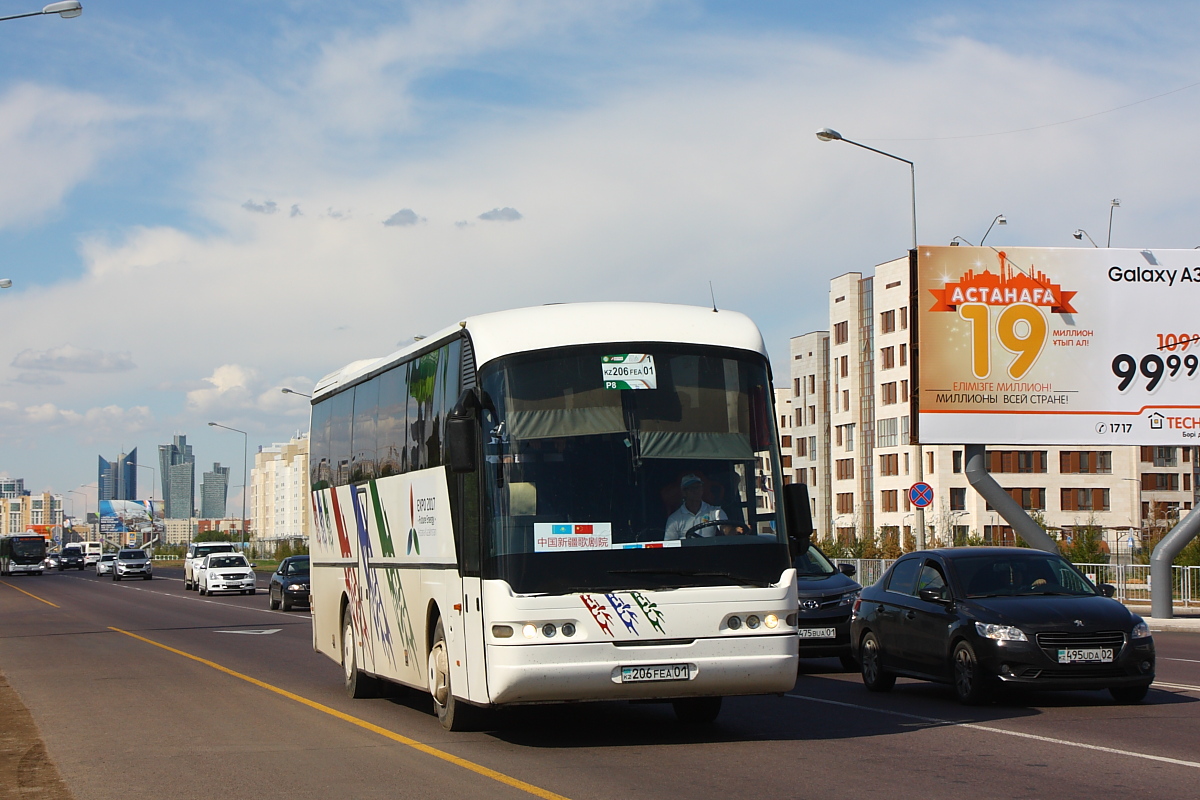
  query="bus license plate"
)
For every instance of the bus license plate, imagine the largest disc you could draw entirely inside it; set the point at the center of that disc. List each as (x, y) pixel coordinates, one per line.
(1088, 655)
(655, 672)
(817, 633)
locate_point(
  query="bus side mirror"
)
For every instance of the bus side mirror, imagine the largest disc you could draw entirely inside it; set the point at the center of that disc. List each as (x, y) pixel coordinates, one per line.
(462, 433)
(797, 515)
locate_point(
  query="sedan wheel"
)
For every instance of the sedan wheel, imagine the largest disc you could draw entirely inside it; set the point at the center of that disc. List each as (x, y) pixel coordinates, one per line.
(874, 676)
(274, 603)
(970, 684)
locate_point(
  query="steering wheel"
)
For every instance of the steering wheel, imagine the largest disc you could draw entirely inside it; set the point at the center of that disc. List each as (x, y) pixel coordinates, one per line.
(692, 532)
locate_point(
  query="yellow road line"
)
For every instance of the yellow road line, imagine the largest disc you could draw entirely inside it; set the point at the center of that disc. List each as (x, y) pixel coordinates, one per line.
(34, 596)
(333, 712)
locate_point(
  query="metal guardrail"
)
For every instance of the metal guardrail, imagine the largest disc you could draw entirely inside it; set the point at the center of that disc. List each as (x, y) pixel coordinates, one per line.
(1132, 581)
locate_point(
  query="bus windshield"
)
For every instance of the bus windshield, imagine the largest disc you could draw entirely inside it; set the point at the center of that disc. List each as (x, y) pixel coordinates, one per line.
(608, 469)
(31, 548)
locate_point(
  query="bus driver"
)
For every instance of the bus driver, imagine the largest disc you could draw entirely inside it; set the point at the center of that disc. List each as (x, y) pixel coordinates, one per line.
(694, 511)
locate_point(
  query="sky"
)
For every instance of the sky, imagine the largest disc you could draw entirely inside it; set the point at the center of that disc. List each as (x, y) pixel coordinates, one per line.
(201, 203)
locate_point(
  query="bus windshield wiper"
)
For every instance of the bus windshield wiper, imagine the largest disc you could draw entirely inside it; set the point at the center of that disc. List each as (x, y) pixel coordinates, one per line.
(691, 573)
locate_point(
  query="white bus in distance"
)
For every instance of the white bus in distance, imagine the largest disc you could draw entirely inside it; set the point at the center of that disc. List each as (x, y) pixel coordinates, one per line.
(499, 513)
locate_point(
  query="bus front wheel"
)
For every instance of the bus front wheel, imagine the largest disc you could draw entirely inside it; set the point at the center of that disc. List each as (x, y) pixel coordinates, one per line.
(454, 714)
(358, 683)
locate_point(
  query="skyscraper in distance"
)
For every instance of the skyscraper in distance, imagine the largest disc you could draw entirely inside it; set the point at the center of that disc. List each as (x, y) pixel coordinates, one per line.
(214, 492)
(117, 480)
(178, 469)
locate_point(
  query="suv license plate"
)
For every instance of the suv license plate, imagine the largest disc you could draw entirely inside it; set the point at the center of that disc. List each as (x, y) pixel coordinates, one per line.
(1086, 655)
(817, 633)
(655, 672)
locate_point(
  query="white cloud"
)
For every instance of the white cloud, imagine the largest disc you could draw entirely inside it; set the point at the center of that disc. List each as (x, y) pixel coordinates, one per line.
(69, 358)
(403, 217)
(229, 388)
(265, 207)
(505, 214)
(53, 138)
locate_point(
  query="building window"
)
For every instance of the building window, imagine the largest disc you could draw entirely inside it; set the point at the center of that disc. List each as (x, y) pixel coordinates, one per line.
(887, 357)
(958, 499)
(1085, 500)
(887, 394)
(845, 399)
(888, 500)
(1015, 461)
(1085, 462)
(887, 322)
(786, 441)
(886, 432)
(801, 447)
(812, 447)
(845, 469)
(812, 384)
(812, 415)
(795, 387)
(845, 503)
(903, 391)
(889, 464)
(844, 366)
(841, 332)
(903, 354)
(787, 462)
(956, 458)
(903, 318)
(1160, 482)
(849, 437)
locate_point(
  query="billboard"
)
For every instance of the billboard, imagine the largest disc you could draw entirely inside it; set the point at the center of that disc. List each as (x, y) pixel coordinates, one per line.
(130, 522)
(1065, 346)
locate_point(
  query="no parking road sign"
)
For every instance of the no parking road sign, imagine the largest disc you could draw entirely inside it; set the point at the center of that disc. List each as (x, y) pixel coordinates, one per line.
(920, 494)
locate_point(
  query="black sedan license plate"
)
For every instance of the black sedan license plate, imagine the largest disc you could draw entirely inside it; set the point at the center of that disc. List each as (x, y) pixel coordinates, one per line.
(1085, 655)
(655, 672)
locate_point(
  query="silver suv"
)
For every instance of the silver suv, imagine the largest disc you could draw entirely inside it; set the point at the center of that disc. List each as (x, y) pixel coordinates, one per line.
(197, 551)
(132, 564)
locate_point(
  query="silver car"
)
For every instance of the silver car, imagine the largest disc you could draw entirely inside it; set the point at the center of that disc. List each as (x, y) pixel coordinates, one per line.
(132, 564)
(105, 565)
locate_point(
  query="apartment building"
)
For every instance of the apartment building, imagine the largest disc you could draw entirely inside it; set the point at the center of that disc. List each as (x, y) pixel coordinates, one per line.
(41, 512)
(852, 411)
(279, 490)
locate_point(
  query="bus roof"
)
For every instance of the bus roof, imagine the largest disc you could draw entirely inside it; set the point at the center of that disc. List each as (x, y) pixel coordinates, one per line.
(522, 330)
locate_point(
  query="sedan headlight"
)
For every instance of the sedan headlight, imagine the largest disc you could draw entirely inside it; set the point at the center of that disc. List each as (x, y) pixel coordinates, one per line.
(298, 587)
(849, 598)
(1002, 633)
(1140, 631)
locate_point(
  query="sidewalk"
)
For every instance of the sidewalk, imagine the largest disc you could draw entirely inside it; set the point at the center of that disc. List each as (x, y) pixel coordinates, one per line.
(1185, 619)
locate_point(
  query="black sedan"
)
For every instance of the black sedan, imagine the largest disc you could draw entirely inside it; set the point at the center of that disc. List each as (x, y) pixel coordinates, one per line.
(826, 594)
(981, 617)
(289, 584)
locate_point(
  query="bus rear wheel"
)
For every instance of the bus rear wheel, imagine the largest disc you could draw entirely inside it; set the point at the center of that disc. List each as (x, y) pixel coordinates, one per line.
(697, 710)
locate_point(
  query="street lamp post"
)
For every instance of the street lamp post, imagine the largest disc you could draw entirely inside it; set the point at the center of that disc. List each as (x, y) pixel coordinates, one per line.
(245, 483)
(1116, 202)
(286, 390)
(66, 10)
(830, 135)
(1000, 219)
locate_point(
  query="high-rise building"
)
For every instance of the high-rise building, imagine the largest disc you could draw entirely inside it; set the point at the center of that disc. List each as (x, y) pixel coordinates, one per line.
(851, 410)
(12, 487)
(117, 480)
(42, 512)
(279, 491)
(178, 469)
(214, 492)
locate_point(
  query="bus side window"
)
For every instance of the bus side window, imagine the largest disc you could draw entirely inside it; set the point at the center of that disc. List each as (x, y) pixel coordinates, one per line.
(340, 422)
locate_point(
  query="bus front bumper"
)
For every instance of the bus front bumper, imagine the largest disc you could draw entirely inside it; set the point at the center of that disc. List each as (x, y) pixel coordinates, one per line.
(546, 673)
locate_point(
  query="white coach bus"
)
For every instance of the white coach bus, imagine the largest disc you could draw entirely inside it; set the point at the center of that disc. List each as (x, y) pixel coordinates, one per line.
(556, 504)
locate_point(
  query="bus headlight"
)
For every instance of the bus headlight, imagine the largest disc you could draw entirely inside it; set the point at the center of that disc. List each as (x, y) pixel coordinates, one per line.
(529, 630)
(568, 629)
(548, 630)
(771, 621)
(752, 622)
(734, 623)
(502, 631)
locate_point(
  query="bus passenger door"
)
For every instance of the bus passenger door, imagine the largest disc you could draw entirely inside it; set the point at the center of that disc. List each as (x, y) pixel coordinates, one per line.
(472, 622)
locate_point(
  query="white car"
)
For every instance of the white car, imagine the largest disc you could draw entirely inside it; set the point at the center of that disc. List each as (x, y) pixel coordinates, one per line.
(195, 557)
(105, 565)
(225, 572)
